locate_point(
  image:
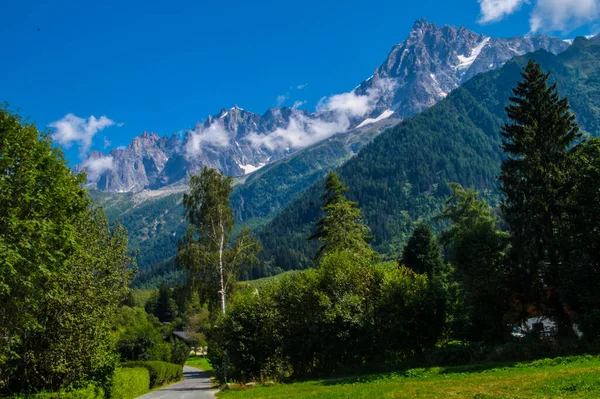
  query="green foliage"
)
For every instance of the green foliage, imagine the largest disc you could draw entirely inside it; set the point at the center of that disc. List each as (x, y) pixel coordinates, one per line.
(130, 383)
(154, 225)
(400, 179)
(477, 251)
(89, 392)
(409, 315)
(579, 275)
(179, 351)
(162, 304)
(422, 253)
(537, 142)
(211, 264)
(161, 373)
(140, 337)
(63, 271)
(342, 227)
(327, 320)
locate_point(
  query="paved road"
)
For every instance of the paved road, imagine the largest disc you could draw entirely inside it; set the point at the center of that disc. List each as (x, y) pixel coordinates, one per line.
(195, 385)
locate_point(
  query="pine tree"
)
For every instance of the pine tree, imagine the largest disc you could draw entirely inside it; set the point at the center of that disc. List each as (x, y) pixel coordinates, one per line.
(342, 227)
(166, 308)
(533, 178)
(422, 253)
(477, 252)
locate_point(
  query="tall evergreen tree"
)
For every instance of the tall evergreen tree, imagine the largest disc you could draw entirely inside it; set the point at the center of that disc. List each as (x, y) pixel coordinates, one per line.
(342, 227)
(422, 252)
(477, 252)
(533, 178)
(165, 307)
(580, 241)
(211, 262)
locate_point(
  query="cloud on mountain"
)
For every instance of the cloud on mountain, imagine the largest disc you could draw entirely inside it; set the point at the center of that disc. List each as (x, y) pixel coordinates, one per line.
(334, 115)
(72, 129)
(96, 165)
(214, 135)
(546, 16)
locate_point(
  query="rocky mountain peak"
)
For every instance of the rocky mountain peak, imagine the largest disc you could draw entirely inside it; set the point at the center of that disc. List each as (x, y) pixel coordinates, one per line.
(430, 63)
(435, 60)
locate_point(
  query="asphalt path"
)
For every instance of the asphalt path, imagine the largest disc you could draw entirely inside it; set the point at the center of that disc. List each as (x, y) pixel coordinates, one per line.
(195, 385)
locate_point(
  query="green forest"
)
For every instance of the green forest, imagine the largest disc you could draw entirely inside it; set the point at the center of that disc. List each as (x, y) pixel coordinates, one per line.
(400, 179)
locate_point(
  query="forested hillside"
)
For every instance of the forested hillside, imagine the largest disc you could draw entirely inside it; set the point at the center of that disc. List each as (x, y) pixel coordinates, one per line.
(402, 175)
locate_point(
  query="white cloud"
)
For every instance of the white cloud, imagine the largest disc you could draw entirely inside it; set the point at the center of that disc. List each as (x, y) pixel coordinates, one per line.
(563, 15)
(301, 132)
(298, 104)
(96, 165)
(356, 105)
(547, 15)
(302, 86)
(107, 142)
(495, 10)
(334, 115)
(214, 135)
(281, 99)
(73, 129)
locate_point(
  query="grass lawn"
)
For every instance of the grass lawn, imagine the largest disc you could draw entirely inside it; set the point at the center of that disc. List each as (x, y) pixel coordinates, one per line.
(569, 377)
(200, 362)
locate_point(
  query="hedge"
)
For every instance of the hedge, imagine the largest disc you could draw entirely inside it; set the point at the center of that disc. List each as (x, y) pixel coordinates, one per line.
(129, 383)
(160, 372)
(89, 392)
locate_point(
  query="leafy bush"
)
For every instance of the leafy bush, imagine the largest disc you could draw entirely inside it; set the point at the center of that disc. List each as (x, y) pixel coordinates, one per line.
(179, 351)
(140, 336)
(161, 373)
(89, 392)
(129, 383)
(334, 319)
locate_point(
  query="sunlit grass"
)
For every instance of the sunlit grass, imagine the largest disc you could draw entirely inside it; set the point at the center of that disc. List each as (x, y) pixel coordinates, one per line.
(200, 362)
(574, 377)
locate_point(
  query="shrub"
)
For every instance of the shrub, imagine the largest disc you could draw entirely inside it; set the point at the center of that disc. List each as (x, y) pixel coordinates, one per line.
(140, 337)
(160, 372)
(89, 392)
(179, 351)
(129, 383)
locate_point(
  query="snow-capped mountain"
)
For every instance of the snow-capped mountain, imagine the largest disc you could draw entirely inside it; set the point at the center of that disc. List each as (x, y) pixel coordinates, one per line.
(417, 73)
(435, 60)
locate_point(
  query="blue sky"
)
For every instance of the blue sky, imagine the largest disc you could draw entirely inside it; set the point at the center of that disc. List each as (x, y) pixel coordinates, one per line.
(163, 66)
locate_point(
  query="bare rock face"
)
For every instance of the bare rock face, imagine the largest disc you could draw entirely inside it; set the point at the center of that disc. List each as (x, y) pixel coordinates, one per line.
(417, 73)
(435, 60)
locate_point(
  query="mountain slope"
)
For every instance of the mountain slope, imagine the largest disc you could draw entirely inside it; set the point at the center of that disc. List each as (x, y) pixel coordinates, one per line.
(225, 140)
(417, 73)
(402, 175)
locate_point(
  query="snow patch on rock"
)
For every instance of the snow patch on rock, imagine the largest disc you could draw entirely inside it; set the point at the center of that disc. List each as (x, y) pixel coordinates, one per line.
(466, 62)
(384, 115)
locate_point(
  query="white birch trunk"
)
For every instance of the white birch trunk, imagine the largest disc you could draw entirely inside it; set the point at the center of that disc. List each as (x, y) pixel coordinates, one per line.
(221, 244)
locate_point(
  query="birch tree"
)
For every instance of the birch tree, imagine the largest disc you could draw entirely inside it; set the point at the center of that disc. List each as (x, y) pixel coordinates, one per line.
(213, 264)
